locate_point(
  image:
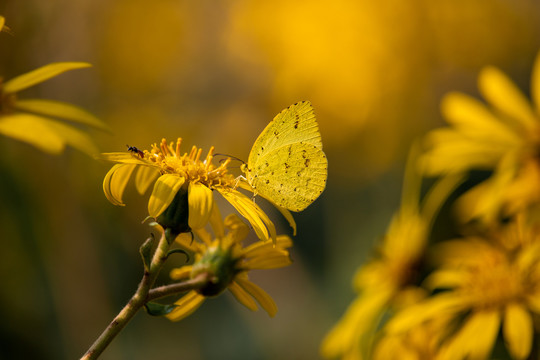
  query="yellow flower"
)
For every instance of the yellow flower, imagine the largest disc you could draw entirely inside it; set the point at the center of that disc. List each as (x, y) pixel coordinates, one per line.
(503, 138)
(487, 284)
(420, 342)
(227, 263)
(35, 121)
(184, 177)
(384, 281)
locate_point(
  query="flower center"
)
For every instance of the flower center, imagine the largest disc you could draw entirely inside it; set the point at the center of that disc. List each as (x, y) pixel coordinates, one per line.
(190, 166)
(495, 282)
(220, 264)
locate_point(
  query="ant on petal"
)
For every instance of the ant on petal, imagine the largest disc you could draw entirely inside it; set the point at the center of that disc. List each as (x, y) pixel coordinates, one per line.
(134, 150)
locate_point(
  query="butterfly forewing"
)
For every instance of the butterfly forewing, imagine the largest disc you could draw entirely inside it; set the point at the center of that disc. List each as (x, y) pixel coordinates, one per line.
(292, 125)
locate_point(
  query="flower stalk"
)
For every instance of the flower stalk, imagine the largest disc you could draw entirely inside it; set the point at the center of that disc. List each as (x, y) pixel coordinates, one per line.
(143, 294)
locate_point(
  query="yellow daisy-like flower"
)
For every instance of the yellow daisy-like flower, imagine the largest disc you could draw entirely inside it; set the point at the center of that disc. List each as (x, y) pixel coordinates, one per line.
(36, 121)
(420, 342)
(227, 263)
(503, 137)
(184, 178)
(393, 274)
(487, 284)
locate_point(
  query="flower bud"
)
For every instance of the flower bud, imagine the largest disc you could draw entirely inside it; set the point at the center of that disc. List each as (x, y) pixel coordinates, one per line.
(220, 265)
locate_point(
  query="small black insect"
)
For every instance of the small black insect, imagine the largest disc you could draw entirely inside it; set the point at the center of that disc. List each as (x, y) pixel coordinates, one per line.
(134, 150)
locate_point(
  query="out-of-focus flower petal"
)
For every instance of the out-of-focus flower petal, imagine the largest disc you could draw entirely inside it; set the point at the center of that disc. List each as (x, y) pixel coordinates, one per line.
(181, 273)
(518, 331)
(243, 296)
(185, 306)
(41, 74)
(34, 130)
(58, 109)
(504, 95)
(473, 119)
(476, 338)
(259, 294)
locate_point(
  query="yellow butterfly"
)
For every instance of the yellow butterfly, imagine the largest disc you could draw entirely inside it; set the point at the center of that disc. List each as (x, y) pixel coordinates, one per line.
(286, 164)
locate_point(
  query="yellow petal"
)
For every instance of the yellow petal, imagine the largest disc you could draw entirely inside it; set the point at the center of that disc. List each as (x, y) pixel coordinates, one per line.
(475, 339)
(34, 130)
(286, 213)
(445, 279)
(200, 202)
(165, 189)
(186, 305)
(46, 134)
(533, 302)
(474, 120)
(445, 303)
(41, 74)
(181, 273)
(126, 158)
(216, 222)
(252, 212)
(74, 137)
(57, 109)
(267, 303)
(349, 333)
(2, 22)
(504, 95)
(144, 177)
(272, 259)
(518, 331)
(115, 182)
(187, 242)
(259, 248)
(451, 152)
(242, 296)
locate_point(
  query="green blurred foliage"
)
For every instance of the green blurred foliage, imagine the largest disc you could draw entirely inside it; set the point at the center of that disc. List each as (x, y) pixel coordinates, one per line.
(214, 73)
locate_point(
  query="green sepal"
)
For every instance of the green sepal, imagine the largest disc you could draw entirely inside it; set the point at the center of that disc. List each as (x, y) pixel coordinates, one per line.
(146, 252)
(175, 218)
(157, 309)
(174, 251)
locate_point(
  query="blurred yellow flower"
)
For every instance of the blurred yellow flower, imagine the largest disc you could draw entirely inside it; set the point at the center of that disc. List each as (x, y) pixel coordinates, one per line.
(227, 262)
(420, 342)
(174, 174)
(485, 284)
(504, 138)
(35, 121)
(393, 275)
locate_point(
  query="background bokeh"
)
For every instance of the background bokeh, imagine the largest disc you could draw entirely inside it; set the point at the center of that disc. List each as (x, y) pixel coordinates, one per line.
(214, 73)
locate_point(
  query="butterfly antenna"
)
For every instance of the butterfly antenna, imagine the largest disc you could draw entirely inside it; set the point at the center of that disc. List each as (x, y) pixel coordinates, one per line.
(229, 156)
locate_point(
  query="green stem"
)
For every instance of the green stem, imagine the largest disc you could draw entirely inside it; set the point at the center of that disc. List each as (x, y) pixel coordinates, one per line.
(166, 290)
(135, 303)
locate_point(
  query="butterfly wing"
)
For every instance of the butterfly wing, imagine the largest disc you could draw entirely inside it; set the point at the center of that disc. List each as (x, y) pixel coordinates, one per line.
(286, 164)
(292, 125)
(292, 176)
